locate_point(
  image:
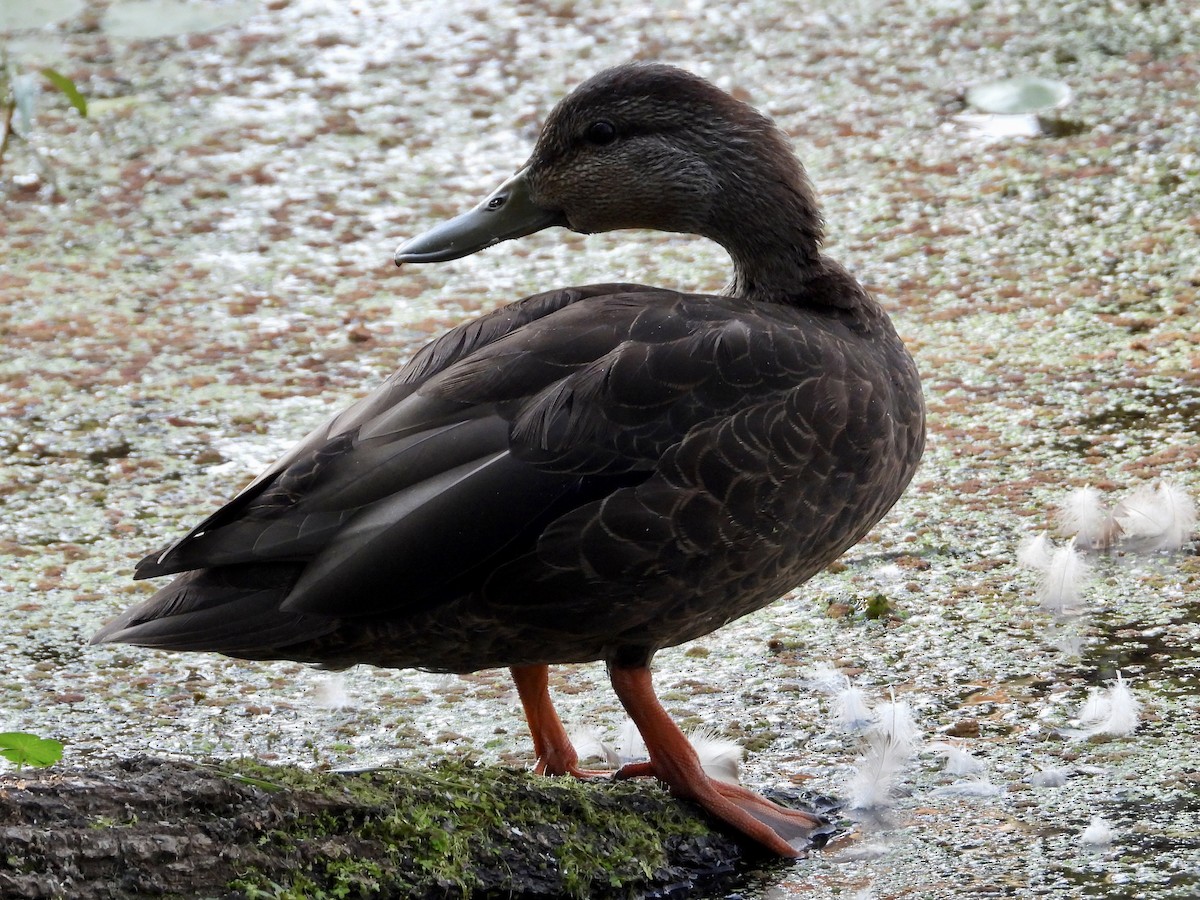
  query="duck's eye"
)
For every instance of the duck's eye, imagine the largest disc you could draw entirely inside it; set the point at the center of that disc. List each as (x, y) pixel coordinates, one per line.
(600, 134)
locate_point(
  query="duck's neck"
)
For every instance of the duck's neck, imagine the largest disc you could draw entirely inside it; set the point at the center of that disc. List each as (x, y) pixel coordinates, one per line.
(776, 267)
(774, 242)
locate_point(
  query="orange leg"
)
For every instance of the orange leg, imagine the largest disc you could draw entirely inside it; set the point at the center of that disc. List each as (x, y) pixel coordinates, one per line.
(787, 832)
(555, 753)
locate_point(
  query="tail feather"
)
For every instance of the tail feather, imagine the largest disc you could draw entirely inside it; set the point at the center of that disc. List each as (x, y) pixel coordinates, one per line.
(227, 609)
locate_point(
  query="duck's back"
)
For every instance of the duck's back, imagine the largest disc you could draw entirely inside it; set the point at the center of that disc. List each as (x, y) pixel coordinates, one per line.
(590, 473)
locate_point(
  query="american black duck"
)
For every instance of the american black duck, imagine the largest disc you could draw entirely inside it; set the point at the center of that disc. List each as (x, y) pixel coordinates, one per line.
(592, 473)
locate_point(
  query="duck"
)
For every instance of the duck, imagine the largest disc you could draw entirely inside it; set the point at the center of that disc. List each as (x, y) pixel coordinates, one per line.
(591, 473)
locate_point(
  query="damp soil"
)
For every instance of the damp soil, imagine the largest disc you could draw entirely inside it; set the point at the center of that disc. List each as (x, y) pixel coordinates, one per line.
(199, 272)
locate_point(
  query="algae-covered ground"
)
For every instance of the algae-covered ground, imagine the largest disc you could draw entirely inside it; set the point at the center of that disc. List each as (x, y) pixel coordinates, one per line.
(200, 271)
(141, 827)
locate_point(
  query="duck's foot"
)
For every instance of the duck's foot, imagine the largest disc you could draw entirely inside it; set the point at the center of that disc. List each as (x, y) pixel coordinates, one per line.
(555, 753)
(574, 772)
(788, 832)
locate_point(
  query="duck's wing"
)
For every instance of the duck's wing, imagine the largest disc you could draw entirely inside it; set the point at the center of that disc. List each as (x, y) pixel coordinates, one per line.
(296, 469)
(470, 454)
(393, 455)
(730, 411)
(560, 415)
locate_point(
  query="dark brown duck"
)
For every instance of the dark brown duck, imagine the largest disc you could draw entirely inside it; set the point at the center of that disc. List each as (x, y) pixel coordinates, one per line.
(592, 473)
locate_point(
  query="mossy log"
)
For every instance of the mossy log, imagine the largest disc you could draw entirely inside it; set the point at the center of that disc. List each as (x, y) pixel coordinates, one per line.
(148, 827)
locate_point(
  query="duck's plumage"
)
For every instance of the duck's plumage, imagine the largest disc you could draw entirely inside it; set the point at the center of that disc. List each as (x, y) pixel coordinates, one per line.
(589, 473)
(556, 465)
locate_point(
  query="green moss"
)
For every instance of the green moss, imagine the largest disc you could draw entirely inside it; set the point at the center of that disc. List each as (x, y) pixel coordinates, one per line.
(761, 737)
(460, 829)
(878, 607)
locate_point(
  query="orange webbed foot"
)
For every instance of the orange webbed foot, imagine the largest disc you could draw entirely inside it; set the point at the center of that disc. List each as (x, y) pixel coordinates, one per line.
(787, 832)
(555, 753)
(673, 761)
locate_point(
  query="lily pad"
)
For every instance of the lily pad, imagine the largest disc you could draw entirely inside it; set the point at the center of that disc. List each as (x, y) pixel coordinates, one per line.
(16, 16)
(1018, 96)
(29, 749)
(150, 19)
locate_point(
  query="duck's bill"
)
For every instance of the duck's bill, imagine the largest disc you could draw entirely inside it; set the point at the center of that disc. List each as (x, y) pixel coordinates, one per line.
(507, 213)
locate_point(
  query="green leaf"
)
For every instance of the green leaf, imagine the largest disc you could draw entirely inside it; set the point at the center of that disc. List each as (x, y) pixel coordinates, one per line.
(29, 749)
(262, 783)
(67, 86)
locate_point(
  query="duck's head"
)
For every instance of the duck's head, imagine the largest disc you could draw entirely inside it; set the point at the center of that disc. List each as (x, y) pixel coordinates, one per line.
(651, 146)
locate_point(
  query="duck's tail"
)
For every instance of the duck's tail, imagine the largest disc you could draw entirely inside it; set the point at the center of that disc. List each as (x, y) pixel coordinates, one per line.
(233, 610)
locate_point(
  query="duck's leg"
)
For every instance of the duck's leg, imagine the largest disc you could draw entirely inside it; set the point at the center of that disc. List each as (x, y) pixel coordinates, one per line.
(555, 753)
(787, 832)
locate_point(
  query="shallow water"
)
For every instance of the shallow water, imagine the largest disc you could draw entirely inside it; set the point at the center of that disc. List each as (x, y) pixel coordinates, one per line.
(214, 278)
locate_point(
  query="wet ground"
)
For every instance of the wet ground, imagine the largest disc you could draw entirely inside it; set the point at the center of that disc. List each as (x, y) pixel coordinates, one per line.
(199, 272)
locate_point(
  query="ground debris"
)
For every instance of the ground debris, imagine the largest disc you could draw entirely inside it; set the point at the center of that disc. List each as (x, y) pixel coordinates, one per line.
(150, 827)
